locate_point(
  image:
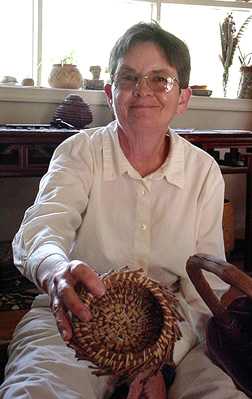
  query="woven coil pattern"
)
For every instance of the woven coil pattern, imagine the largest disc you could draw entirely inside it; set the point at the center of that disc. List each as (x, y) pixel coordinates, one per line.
(74, 110)
(65, 76)
(133, 326)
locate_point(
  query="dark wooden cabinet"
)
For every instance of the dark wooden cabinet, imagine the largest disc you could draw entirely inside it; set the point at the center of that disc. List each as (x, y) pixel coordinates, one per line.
(27, 150)
(232, 141)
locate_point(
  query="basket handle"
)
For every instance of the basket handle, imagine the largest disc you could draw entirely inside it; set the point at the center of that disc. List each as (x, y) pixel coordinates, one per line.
(227, 272)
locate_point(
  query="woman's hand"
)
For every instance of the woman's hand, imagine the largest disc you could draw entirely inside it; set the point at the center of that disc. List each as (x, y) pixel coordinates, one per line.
(153, 388)
(63, 297)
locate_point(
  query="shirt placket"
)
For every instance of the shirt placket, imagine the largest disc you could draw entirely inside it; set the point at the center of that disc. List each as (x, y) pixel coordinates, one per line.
(143, 224)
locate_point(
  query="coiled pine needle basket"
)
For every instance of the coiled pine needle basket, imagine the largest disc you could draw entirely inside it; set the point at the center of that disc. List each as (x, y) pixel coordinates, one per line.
(133, 327)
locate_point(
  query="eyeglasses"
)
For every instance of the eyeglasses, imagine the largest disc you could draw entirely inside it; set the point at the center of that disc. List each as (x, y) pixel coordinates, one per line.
(158, 82)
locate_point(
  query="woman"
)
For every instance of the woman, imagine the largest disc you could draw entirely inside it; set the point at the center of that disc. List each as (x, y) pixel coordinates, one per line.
(130, 193)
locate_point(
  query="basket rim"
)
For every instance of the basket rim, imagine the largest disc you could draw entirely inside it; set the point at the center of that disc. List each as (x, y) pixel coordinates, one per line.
(160, 352)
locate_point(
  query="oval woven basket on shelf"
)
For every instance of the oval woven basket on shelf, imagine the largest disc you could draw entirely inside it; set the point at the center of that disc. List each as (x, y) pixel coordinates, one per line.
(75, 111)
(133, 326)
(65, 76)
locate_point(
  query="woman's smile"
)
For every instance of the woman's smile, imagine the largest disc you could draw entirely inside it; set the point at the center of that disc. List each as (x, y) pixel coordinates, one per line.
(144, 106)
(139, 110)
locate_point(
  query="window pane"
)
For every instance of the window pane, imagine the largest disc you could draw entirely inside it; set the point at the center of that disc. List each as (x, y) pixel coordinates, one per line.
(88, 29)
(16, 39)
(198, 26)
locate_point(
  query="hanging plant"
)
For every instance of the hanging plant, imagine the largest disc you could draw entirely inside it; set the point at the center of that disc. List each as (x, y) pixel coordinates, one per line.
(229, 43)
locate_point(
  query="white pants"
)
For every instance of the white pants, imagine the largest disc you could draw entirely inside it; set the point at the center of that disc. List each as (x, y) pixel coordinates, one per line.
(41, 366)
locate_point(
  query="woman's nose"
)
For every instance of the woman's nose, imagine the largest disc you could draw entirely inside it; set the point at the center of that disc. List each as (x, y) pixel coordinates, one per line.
(142, 86)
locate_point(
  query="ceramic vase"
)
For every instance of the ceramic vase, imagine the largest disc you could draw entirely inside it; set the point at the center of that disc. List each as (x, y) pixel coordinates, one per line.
(65, 76)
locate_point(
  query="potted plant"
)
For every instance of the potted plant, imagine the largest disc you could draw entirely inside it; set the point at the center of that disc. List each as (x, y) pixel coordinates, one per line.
(65, 75)
(229, 43)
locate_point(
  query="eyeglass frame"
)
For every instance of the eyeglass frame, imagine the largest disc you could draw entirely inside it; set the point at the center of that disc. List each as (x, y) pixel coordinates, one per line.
(147, 77)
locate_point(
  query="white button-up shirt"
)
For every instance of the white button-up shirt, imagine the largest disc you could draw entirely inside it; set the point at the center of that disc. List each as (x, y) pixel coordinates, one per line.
(92, 205)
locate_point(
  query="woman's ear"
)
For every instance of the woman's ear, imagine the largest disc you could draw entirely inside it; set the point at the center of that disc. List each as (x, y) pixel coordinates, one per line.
(184, 98)
(108, 92)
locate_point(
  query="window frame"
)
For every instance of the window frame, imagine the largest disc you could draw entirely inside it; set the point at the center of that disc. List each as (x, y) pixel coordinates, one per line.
(211, 3)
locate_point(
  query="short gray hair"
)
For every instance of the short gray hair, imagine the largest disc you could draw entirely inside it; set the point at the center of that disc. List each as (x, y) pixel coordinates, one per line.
(174, 49)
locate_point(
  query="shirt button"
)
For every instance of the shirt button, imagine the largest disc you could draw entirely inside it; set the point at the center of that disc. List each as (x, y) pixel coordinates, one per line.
(143, 227)
(143, 192)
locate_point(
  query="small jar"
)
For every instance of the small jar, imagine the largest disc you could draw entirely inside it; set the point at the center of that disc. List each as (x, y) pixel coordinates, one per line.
(96, 71)
(27, 82)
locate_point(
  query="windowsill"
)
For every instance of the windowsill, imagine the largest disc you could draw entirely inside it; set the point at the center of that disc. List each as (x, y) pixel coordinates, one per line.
(97, 97)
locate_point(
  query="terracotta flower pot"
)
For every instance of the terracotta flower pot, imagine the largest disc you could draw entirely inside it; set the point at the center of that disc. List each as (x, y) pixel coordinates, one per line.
(65, 76)
(245, 86)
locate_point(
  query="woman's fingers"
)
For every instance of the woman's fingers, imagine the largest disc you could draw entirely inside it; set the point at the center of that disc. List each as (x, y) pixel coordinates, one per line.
(88, 277)
(62, 320)
(64, 298)
(81, 274)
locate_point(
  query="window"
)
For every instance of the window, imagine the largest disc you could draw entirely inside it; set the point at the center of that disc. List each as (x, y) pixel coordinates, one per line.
(38, 33)
(87, 30)
(16, 32)
(198, 26)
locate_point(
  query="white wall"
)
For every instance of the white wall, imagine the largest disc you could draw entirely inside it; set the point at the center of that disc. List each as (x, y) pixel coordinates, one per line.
(35, 105)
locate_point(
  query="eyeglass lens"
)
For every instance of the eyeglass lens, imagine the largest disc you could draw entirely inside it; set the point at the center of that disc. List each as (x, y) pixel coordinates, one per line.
(156, 82)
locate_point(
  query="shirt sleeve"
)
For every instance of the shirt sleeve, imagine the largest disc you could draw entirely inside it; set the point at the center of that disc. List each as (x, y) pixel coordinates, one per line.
(209, 240)
(210, 214)
(50, 224)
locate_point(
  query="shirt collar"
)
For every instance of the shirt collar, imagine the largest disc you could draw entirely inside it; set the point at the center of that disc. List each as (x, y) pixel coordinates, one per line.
(110, 146)
(116, 164)
(173, 168)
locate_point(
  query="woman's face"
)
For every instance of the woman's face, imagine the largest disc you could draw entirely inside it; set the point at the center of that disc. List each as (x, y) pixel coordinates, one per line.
(141, 106)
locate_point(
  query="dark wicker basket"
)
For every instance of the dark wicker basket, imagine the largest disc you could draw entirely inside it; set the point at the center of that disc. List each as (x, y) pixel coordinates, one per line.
(74, 111)
(133, 326)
